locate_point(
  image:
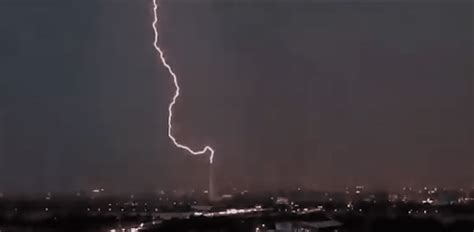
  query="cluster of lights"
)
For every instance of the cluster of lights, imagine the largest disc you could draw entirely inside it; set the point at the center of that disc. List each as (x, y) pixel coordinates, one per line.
(230, 212)
(133, 229)
(308, 210)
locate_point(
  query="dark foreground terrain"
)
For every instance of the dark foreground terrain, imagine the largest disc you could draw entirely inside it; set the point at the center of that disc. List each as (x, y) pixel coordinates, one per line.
(302, 212)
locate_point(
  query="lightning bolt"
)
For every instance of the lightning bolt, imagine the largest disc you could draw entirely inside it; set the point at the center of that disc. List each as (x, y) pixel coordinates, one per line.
(176, 94)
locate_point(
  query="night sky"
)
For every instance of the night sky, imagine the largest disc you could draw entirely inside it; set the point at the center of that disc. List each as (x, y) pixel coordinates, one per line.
(290, 93)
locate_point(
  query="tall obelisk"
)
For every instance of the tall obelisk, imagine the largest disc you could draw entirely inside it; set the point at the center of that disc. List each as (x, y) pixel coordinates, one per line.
(212, 187)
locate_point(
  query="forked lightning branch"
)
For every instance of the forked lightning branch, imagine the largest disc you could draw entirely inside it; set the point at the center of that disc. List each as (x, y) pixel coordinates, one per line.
(176, 93)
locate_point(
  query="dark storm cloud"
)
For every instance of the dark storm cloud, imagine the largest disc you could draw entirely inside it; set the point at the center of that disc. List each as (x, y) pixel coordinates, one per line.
(290, 93)
(325, 95)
